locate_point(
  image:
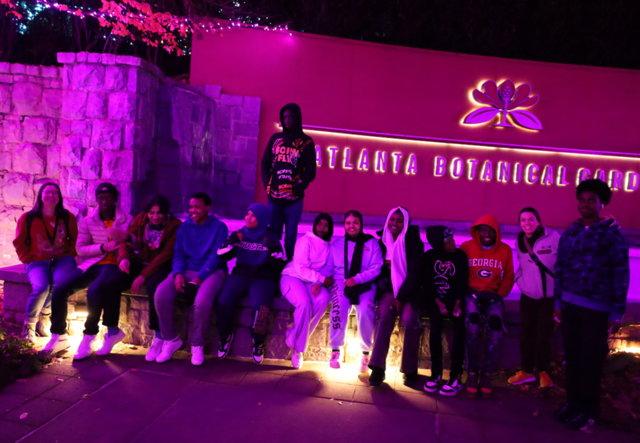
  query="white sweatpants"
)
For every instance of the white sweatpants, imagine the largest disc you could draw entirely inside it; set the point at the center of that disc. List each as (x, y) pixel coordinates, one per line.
(340, 310)
(308, 310)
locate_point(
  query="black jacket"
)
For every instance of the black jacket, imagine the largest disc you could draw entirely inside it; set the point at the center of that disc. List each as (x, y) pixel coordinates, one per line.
(445, 276)
(258, 259)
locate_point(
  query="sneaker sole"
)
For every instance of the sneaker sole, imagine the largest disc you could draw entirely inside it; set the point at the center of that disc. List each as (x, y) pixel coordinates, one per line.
(448, 393)
(528, 380)
(430, 390)
(223, 356)
(54, 352)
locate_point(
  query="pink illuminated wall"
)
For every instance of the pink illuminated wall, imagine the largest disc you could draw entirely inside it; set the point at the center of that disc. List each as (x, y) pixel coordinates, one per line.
(368, 87)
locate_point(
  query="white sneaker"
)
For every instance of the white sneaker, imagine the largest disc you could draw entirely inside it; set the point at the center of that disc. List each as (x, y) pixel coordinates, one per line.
(29, 333)
(296, 360)
(169, 347)
(57, 343)
(109, 342)
(86, 347)
(335, 360)
(197, 355)
(155, 349)
(364, 364)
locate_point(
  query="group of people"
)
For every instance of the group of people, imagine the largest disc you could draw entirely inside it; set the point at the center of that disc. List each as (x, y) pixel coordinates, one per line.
(579, 279)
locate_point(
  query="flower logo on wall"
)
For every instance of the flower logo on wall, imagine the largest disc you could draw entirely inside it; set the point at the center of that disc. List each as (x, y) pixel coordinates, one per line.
(506, 100)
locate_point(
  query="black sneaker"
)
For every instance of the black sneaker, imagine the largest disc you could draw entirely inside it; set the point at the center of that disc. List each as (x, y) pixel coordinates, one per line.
(410, 379)
(377, 376)
(580, 421)
(225, 346)
(485, 386)
(258, 351)
(432, 384)
(451, 387)
(564, 413)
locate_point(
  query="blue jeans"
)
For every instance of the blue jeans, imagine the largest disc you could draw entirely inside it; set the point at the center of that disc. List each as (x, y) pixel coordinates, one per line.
(484, 312)
(287, 217)
(43, 280)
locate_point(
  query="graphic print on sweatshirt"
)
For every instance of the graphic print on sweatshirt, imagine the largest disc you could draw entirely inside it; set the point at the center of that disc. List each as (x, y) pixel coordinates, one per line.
(484, 264)
(444, 271)
(285, 169)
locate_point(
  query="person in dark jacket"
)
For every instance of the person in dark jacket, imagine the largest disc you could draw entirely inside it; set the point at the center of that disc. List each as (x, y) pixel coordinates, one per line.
(399, 295)
(590, 289)
(259, 264)
(445, 272)
(288, 167)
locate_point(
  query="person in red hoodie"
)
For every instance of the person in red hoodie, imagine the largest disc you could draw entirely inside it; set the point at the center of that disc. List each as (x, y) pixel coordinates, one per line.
(490, 281)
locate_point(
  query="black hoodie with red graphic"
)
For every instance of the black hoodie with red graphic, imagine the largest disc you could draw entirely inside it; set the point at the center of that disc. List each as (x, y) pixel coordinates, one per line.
(289, 161)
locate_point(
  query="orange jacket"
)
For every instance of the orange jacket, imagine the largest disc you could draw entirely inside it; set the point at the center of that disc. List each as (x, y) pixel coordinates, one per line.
(490, 270)
(66, 243)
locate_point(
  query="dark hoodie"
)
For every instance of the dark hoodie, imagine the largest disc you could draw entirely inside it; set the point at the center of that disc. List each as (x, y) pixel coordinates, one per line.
(445, 276)
(289, 161)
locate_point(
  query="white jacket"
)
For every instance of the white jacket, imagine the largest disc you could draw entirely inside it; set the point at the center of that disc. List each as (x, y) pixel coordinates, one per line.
(92, 234)
(528, 275)
(308, 259)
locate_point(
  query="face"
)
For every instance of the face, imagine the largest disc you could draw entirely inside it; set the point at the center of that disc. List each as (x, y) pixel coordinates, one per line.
(396, 223)
(250, 220)
(288, 119)
(487, 235)
(528, 222)
(450, 245)
(50, 196)
(106, 201)
(352, 226)
(322, 228)
(155, 216)
(198, 210)
(589, 204)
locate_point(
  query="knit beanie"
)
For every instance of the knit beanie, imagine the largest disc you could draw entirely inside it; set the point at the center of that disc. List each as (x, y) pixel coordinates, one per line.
(437, 235)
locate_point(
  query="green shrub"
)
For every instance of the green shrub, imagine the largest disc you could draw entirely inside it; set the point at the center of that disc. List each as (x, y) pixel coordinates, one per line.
(18, 358)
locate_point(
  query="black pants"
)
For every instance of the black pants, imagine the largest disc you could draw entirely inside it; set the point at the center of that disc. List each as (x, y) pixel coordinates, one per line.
(537, 324)
(586, 348)
(105, 284)
(436, 325)
(151, 284)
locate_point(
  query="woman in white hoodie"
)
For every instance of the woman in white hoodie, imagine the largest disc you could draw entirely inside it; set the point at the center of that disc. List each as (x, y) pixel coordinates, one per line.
(305, 287)
(537, 254)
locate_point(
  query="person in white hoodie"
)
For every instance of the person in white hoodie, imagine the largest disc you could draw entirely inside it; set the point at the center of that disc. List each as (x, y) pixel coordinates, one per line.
(537, 254)
(99, 236)
(305, 287)
(355, 261)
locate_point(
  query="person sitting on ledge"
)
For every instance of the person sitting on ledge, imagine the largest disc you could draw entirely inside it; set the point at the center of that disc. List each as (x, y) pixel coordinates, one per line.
(354, 262)
(196, 277)
(97, 245)
(305, 287)
(259, 264)
(46, 243)
(146, 255)
(398, 289)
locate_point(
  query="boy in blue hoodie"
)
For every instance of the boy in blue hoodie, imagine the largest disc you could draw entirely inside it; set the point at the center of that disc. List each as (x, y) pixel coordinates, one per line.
(259, 264)
(197, 273)
(591, 284)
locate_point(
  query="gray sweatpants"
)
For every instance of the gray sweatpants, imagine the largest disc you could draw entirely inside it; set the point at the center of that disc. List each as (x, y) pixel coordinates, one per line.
(340, 310)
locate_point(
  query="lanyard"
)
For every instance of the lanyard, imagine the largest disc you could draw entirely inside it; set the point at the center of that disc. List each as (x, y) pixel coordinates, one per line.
(52, 238)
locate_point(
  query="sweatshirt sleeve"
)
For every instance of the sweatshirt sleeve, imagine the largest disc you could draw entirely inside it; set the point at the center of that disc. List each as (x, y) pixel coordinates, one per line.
(561, 262)
(214, 259)
(73, 235)
(227, 252)
(309, 172)
(302, 262)
(266, 164)
(507, 279)
(619, 259)
(463, 270)
(179, 254)
(328, 268)
(85, 245)
(165, 255)
(125, 251)
(22, 249)
(411, 286)
(375, 265)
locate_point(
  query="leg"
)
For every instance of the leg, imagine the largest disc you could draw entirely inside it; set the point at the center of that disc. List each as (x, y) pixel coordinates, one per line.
(544, 334)
(261, 293)
(235, 287)
(320, 303)
(458, 347)
(76, 281)
(203, 305)
(165, 302)
(152, 284)
(292, 214)
(277, 219)
(366, 316)
(529, 313)
(39, 277)
(104, 294)
(339, 317)
(385, 322)
(473, 327)
(296, 293)
(594, 348)
(435, 338)
(62, 268)
(411, 344)
(494, 312)
(571, 329)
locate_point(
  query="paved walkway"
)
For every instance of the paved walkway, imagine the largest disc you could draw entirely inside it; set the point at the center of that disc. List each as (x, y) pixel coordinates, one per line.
(122, 398)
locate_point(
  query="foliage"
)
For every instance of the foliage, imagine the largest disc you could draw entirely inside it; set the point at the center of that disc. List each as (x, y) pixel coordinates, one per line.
(18, 358)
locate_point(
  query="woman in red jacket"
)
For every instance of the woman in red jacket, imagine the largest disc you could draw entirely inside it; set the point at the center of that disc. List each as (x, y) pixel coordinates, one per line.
(147, 254)
(46, 243)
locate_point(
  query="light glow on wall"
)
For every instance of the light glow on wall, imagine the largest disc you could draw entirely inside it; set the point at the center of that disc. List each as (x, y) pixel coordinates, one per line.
(440, 166)
(472, 168)
(363, 162)
(632, 181)
(504, 169)
(412, 165)
(396, 161)
(487, 171)
(318, 155)
(517, 173)
(562, 176)
(547, 175)
(615, 180)
(456, 168)
(346, 160)
(531, 172)
(583, 174)
(332, 156)
(381, 161)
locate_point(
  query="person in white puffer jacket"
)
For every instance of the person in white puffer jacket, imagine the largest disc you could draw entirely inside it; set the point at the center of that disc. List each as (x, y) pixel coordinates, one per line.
(305, 287)
(535, 279)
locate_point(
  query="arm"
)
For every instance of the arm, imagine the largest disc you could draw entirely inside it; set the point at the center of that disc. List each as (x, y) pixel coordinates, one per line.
(179, 255)
(463, 269)
(126, 249)
(276, 259)
(85, 245)
(73, 235)
(301, 263)
(411, 285)
(165, 255)
(559, 272)
(227, 252)
(328, 268)
(309, 172)
(214, 259)
(22, 249)
(619, 259)
(507, 279)
(375, 266)
(266, 164)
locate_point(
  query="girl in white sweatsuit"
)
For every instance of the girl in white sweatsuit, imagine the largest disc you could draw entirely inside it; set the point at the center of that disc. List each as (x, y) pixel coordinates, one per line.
(371, 265)
(305, 287)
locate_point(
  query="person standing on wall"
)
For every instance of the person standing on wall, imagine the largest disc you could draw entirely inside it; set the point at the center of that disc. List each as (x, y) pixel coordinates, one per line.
(591, 285)
(46, 243)
(305, 287)
(537, 253)
(490, 281)
(288, 167)
(398, 288)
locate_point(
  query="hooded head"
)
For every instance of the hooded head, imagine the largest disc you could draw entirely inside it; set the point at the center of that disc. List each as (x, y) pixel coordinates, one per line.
(296, 116)
(437, 235)
(326, 217)
(395, 226)
(482, 235)
(258, 226)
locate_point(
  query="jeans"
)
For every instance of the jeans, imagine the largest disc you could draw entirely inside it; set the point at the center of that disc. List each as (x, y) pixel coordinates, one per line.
(484, 312)
(105, 284)
(43, 280)
(385, 322)
(261, 293)
(289, 217)
(339, 320)
(151, 284)
(165, 300)
(537, 325)
(585, 333)
(436, 326)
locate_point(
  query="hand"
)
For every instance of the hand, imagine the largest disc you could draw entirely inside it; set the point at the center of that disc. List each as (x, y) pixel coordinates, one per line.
(614, 327)
(328, 282)
(117, 234)
(239, 234)
(557, 315)
(351, 282)
(178, 281)
(124, 266)
(196, 281)
(110, 246)
(315, 290)
(457, 310)
(137, 283)
(398, 305)
(443, 308)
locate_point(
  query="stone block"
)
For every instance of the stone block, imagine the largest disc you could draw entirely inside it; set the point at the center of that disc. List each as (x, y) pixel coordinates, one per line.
(223, 117)
(108, 59)
(118, 165)
(115, 78)
(88, 77)
(18, 189)
(90, 165)
(230, 164)
(49, 71)
(74, 104)
(71, 183)
(53, 161)
(231, 178)
(126, 199)
(71, 152)
(123, 106)
(129, 60)
(26, 98)
(82, 57)
(6, 78)
(12, 131)
(64, 127)
(245, 129)
(5, 67)
(65, 75)
(251, 109)
(94, 57)
(66, 57)
(81, 127)
(51, 105)
(5, 99)
(97, 104)
(39, 130)
(16, 295)
(13, 117)
(138, 81)
(106, 135)
(213, 91)
(251, 150)
(33, 70)
(236, 114)
(18, 68)
(242, 196)
(29, 158)
(231, 100)
(5, 161)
